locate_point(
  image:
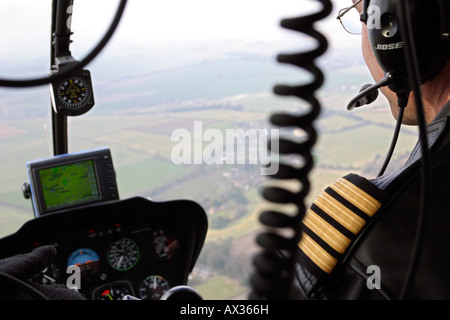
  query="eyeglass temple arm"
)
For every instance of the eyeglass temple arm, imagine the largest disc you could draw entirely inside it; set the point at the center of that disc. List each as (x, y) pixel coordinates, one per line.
(344, 11)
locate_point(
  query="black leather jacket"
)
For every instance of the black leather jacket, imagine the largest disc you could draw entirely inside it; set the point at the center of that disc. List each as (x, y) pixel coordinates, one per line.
(387, 240)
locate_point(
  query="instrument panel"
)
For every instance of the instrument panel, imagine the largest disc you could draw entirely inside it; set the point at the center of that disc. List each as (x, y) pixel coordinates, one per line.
(126, 247)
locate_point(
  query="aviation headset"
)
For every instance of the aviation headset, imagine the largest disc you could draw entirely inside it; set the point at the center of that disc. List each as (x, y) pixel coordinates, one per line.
(430, 24)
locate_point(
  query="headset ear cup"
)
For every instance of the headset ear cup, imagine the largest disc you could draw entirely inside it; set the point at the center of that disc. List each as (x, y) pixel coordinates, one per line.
(385, 39)
(427, 29)
(443, 54)
(387, 43)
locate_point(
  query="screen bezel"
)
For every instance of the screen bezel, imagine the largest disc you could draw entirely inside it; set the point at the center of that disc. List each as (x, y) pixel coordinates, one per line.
(34, 167)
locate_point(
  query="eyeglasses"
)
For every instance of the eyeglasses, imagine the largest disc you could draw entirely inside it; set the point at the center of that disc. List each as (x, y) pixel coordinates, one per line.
(350, 19)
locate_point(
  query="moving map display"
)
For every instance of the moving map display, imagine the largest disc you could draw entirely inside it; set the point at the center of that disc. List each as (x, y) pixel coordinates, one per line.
(69, 184)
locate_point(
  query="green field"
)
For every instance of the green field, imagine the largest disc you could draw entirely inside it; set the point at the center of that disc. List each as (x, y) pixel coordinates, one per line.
(220, 288)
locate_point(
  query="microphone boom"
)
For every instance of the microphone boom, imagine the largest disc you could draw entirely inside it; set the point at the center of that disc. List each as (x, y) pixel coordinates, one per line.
(369, 92)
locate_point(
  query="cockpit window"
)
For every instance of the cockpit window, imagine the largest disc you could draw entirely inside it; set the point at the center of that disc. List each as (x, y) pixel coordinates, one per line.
(179, 88)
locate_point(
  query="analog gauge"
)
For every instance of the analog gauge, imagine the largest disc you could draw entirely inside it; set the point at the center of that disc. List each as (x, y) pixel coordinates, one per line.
(164, 245)
(112, 292)
(74, 95)
(153, 287)
(87, 259)
(123, 254)
(73, 92)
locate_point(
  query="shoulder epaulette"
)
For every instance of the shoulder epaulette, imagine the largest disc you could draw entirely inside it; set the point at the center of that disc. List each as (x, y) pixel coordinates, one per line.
(334, 219)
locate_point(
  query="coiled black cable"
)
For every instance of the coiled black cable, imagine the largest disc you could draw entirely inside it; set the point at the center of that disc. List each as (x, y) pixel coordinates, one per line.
(275, 263)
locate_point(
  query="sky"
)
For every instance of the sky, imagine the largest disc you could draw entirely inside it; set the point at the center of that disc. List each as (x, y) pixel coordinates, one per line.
(152, 27)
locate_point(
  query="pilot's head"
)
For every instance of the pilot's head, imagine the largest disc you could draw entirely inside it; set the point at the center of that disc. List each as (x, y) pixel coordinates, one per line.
(435, 92)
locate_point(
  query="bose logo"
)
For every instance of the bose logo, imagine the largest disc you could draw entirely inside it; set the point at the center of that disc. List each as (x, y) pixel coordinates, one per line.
(391, 46)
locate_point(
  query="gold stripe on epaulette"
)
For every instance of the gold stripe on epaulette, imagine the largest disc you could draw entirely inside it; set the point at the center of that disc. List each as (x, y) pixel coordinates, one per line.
(356, 196)
(317, 254)
(326, 232)
(343, 215)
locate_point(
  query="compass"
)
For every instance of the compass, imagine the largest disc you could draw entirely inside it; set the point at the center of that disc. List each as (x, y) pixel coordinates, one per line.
(73, 96)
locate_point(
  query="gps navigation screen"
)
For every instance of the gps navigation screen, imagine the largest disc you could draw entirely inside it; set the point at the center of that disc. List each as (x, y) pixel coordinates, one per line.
(69, 184)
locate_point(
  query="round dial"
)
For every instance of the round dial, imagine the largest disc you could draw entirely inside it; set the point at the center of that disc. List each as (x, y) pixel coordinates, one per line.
(153, 287)
(112, 292)
(123, 254)
(86, 258)
(73, 93)
(82, 256)
(164, 245)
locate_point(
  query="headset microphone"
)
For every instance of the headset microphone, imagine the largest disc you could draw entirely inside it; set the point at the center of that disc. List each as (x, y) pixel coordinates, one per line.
(366, 99)
(370, 97)
(369, 92)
